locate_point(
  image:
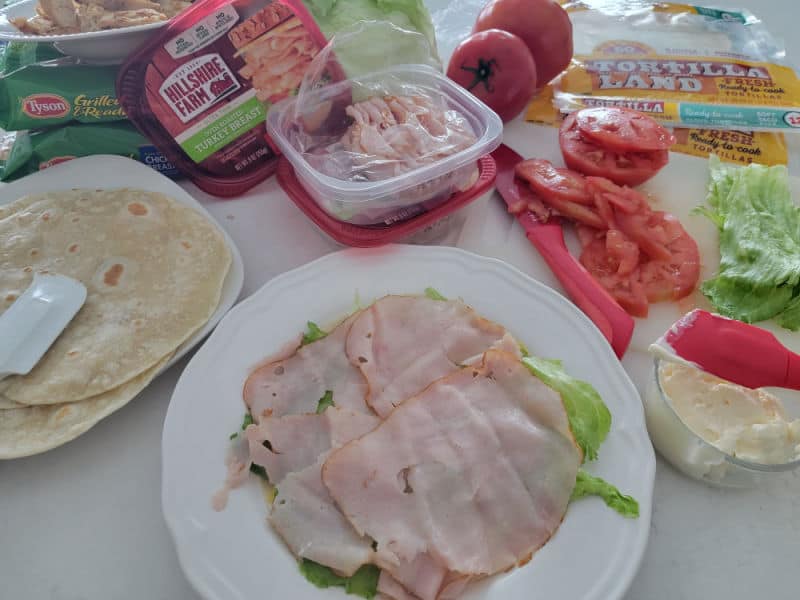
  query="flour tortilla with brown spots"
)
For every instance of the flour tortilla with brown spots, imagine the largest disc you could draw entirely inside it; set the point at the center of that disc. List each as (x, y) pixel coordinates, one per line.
(35, 429)
(153, 269)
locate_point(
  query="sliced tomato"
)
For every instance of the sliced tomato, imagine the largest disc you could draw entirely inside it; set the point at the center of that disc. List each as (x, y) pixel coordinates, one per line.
(604, 266)
(625, 199)
(580, 213)
(646, 230)
(530, 201)
(586, 235)
(623, 130)
(547, 180)
(677, 277)
(624, 250)
(589, 158)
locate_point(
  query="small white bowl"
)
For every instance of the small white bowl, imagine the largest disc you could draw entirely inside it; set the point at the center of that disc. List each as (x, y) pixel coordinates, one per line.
(108, 46)
(694, 456)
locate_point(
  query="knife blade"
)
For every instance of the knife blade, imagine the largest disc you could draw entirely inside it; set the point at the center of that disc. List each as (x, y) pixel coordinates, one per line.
(548, 238)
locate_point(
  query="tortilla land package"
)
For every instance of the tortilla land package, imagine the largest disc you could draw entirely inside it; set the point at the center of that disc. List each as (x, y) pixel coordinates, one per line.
(716, 76)
(200, 89)
(687, 66)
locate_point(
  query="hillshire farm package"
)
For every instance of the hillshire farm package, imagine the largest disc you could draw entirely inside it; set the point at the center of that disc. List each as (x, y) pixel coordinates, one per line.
(208, 81)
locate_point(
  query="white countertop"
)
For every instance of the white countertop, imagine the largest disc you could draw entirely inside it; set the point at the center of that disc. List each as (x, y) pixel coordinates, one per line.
(84, 522)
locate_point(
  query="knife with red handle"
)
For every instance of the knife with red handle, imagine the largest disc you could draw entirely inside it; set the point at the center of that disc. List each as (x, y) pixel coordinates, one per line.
(548, 238)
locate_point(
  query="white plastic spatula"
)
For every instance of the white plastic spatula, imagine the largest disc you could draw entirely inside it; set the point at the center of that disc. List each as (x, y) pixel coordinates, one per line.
(35, 320)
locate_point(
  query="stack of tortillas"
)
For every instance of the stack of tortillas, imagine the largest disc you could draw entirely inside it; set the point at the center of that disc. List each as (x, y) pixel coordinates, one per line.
(154, 271)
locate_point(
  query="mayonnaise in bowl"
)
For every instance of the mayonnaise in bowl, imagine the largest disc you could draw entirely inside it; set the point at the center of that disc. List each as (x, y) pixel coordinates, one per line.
(717, 431)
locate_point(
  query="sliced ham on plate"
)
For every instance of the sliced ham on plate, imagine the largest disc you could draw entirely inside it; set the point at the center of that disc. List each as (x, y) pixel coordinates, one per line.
(403, 343)
(488, 445)
(283, 445)
(303, 513)
(296, 384)
(308, 521)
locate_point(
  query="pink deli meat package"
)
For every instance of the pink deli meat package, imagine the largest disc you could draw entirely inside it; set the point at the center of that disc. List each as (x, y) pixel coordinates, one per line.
(201, 89)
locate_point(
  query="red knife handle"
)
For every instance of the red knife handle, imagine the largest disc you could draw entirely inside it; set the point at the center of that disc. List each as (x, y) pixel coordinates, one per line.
(584, 290)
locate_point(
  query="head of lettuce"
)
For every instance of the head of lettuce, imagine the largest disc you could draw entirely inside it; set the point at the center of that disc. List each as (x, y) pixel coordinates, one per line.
(400, 31)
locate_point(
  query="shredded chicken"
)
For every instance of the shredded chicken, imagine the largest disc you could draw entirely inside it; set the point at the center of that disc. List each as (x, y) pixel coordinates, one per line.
(394, 134)
(55, 17)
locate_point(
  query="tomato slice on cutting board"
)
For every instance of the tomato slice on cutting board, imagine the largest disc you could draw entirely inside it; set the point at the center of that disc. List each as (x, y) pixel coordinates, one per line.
(623, 130)
(550, 181)
(589, 158)
(604, 266)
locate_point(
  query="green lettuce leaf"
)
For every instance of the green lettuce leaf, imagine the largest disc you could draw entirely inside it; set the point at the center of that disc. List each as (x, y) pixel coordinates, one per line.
(589, 485)
(325, 402)
(363, 582)
(433, 294)
(313, 334)
(260, 471)
(386, 41)
(589, 417)
(759, 239)
(247, 420)
(790, 317)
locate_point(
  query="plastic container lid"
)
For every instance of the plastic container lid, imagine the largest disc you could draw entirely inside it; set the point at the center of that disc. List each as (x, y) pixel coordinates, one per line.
(194, 89)
(416, 188)
(366, 237)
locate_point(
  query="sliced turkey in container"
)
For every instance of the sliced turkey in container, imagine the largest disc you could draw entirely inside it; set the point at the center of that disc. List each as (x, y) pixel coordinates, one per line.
(403, 343)
(488, 445)
(295, 385)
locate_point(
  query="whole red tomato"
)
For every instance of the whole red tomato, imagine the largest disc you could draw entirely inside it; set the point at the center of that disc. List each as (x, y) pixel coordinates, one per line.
(542, 24)
(497, 67)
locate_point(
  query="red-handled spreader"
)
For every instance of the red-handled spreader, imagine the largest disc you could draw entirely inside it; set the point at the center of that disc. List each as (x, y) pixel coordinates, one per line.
(736, 351)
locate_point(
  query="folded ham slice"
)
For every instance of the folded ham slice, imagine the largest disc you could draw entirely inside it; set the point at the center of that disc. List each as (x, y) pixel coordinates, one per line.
(403, 343)
(489, 446)
(308, 521)
(296, 384)
(290, 443)
(304, 514)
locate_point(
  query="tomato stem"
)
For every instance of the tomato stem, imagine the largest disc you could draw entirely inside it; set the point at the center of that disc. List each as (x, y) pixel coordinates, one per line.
(483, 73)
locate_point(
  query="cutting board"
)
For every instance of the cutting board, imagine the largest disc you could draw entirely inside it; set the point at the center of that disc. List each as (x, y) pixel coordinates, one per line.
(678, 188)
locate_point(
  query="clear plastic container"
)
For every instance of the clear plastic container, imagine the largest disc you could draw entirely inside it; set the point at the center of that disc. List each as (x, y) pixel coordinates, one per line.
(429, 227)
(694, 456)
(399, 197)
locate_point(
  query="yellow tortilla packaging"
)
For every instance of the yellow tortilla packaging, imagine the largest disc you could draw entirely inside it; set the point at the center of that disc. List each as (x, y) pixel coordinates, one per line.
(739, 147)
(683, 65)
(715, 76)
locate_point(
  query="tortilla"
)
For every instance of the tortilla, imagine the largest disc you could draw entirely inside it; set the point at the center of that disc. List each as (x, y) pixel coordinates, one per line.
(35, 429)
(154, 270)
(6, 404)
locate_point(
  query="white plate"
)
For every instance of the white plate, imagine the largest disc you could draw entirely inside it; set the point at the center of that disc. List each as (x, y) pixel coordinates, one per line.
(113, 172)
(107, 46)
(232, 555)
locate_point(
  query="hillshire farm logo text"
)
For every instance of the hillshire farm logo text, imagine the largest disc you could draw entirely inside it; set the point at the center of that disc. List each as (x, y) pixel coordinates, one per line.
(198, 85)
(684, 76)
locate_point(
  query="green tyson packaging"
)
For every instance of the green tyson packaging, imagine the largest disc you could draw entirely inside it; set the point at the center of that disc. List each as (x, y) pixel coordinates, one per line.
(41, 88)
(25, 152)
